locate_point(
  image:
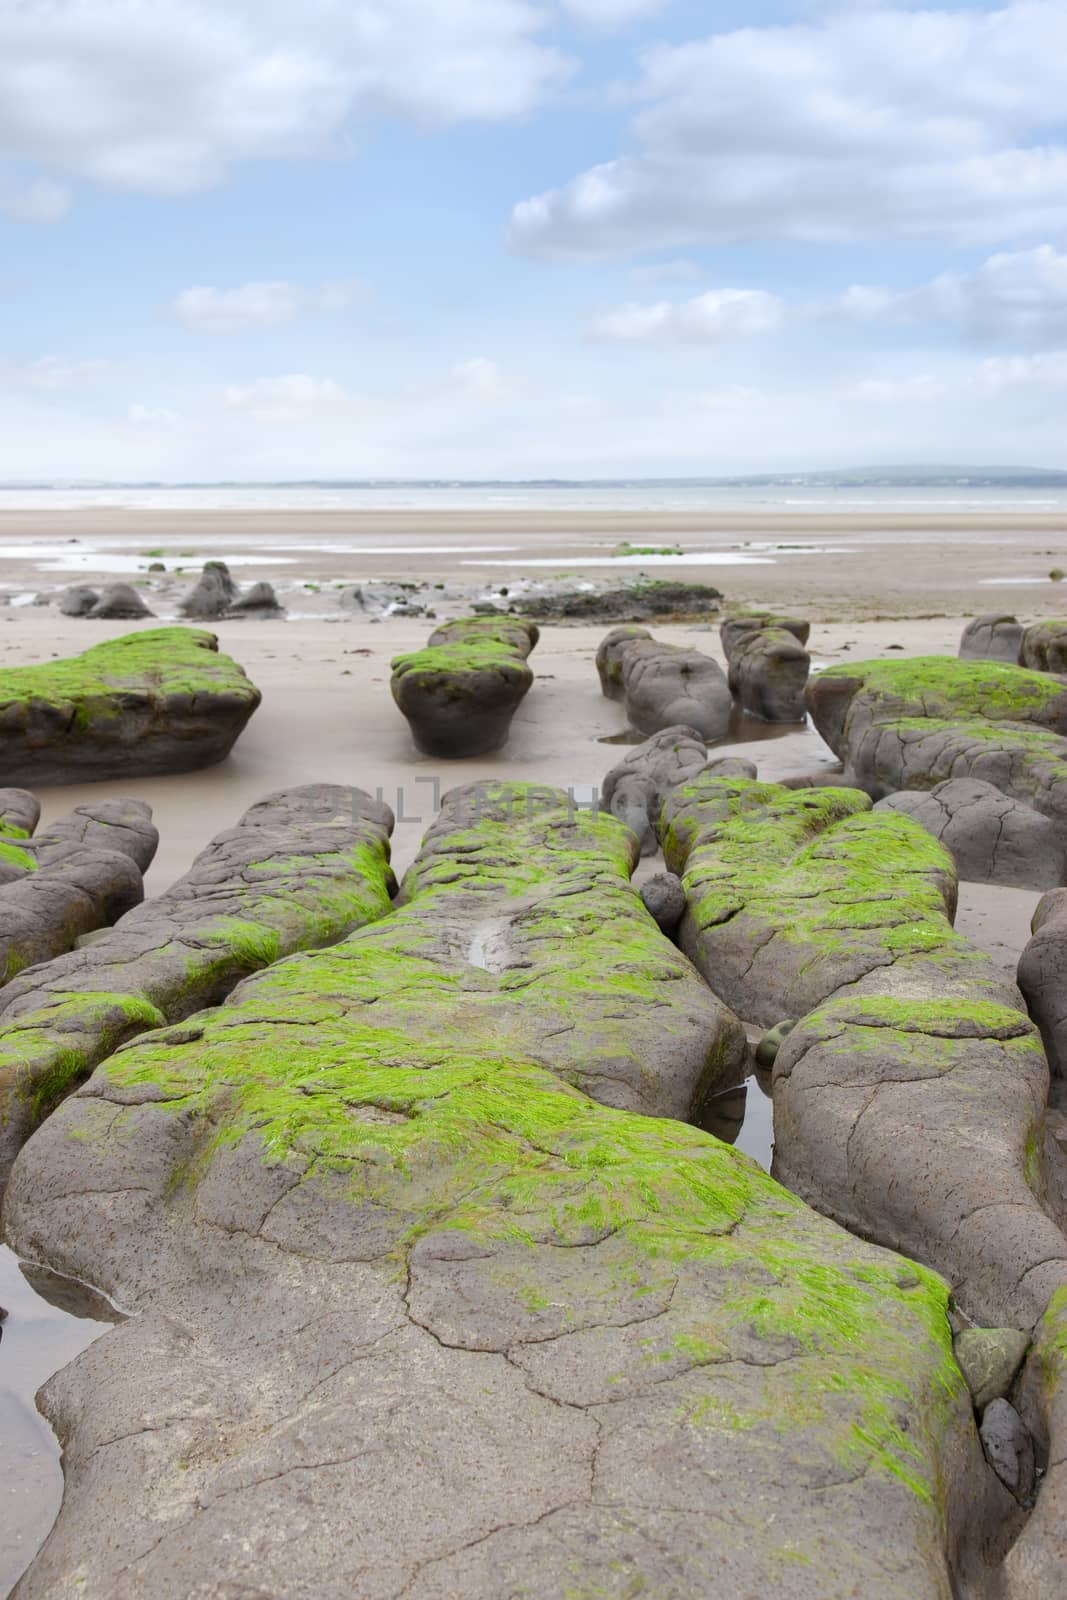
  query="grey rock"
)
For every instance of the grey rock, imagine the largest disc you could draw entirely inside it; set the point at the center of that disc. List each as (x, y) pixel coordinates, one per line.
(459, 695)
(731, 767)
(213, 595)
(768, 665)
(639, 602)
(664, 686)
(119, 600)
(635, 789)
(664, 899)
(303, 867)
(260, 597)
(1044, 647)
(990, 1360)
(77, 601)
(993, 837)
(1043, 981)
(772, 1041)
(1009, 1449)
(992, 638)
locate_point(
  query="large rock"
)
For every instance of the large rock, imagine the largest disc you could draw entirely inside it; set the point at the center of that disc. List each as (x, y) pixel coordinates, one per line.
(992, 638)
(214, 594)
(416, 1315)
(78, 601)
(768, 664)
(635, 789)
(1043, 981)
(460, 693)
(82, 874)
(663, 685)
(119, 601)
(1044, 647)
(148, 703)
(260, 598)
(993, 838)
(301, 869)
(913, 724)
(909, 1099)
(649, 600)
(1036, 1563)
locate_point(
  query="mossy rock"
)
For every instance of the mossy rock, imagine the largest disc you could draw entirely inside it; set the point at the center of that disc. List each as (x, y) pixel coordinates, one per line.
(387, 1249)
(461, 692)
(148, 703)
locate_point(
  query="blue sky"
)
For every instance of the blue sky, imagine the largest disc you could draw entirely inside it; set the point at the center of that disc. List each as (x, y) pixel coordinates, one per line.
(506, 238)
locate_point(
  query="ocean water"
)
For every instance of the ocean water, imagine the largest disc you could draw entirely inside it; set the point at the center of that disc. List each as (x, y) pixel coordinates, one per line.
(961, 500)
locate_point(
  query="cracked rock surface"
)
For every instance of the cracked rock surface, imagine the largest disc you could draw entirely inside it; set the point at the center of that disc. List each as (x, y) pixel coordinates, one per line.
(993, 837)
(154, 702)
(910, 1097)
(1044, 647)
(994, 637)
(300, 869)
(82, 874)
(768, 664)
(635, 789)
(460, 693)
(664, 686)
(419, 1318)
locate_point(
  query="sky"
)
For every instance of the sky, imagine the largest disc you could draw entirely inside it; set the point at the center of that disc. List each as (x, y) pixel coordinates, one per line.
(262, 239)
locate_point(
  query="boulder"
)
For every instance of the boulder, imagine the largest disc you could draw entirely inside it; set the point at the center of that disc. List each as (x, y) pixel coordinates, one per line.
(1044, 647)
(909, 1099)
(644, 601)
(301, 869)
(913, 724)
(147, 703)
(992, 638)
(260, 597)
(993, 838)
(78, 601)
(84, 872)
(990, 1360)
(663, 898)
(214, 594)
(1043, 981)
(664, 685)
(768, 664)
(635, 789)
(119, 600)
(1009, 1449)
(460, 693)
(418, 1314)
(1034, 1567)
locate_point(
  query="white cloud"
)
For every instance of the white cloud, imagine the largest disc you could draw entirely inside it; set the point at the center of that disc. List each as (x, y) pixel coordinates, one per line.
(1020, 297)
(152, 417)
(49, 374)
(204, 309)
(39, 201)
(165, 96)
(480, 378)
(1045, 371)
(296, 394)
(863, 125)
(710, 318)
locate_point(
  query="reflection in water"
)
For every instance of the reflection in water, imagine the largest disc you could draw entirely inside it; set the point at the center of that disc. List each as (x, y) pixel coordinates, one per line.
(744, 1116)
(50, 1321)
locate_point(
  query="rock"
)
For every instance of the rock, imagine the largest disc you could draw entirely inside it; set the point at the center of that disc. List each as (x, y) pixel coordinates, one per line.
(646, 601)
(460, 693)
(909, 1099)
(303, 868)
(260, 597)
(396, 1268)
(119, 600)
(1043, 981)
(772, 1041)
(1034, 1566)
(635, 789)
(990, 1360)
(664, 899)
(993, 838)
(992, 638)
(663, 685)
(84, 872)
(147, 703)
(731, 767)
(768, 665)
(156, 566)
(1009, 1449)
(77, 601)
(20, 813)
(214, 594)
(914, 724)
(1044, 647)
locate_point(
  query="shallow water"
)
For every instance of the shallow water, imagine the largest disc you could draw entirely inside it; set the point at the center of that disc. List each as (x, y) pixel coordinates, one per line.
(50, 1321)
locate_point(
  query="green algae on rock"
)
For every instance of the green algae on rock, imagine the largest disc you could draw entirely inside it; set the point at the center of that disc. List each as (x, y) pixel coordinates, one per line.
(159, 701)
(301, 869)
(460, 693)
(394, 1267)
(910, 1096)
(768, 664)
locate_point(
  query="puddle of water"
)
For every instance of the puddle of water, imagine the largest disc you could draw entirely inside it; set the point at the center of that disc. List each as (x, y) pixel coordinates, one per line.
(744, 1116)
(743, 729)
(50, 1320)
